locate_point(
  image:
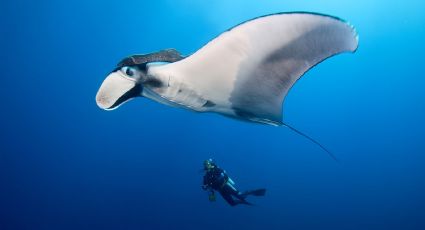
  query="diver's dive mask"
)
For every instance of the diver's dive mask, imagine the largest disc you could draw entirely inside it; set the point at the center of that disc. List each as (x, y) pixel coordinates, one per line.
(208, 165)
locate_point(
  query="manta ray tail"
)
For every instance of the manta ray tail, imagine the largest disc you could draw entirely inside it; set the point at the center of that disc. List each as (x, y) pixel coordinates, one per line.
(312, 140)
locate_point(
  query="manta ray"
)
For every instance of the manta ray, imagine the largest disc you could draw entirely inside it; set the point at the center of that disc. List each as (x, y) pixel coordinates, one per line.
(244, 73)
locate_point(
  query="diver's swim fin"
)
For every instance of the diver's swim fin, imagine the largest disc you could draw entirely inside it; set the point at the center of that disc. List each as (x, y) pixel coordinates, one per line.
(257, 192)
(246, 203)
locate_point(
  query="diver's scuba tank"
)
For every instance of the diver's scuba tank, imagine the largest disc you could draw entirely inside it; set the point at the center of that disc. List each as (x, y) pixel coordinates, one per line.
(229, 180)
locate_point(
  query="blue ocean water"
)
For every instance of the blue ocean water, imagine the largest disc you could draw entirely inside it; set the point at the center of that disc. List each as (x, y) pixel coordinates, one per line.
(66, 164)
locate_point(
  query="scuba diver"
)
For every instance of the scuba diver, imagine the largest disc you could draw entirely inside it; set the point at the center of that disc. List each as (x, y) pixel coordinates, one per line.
(216, 178)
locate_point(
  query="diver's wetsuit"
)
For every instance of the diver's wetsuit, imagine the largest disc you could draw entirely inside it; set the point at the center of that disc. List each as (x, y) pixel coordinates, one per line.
(217, 179)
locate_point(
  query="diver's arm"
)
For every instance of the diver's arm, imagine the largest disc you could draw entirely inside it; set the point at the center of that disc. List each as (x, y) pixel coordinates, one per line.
(204, 186)
(206, 183)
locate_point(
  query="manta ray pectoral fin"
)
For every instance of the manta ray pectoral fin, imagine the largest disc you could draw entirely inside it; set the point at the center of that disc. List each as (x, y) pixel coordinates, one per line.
(262, 84)
(250, 68)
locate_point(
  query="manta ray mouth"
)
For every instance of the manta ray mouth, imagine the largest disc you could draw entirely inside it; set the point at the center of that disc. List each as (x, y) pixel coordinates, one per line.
(115, 90)
(132, 93)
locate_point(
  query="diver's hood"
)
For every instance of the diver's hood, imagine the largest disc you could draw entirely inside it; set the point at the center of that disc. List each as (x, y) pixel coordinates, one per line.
(117, 89)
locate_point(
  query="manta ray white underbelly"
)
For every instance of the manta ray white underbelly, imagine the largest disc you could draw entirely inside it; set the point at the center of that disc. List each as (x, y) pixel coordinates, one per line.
(244, 73)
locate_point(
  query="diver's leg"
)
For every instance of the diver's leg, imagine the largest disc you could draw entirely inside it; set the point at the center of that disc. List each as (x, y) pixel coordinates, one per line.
(228, 197)
(229, 189)
(232, 190)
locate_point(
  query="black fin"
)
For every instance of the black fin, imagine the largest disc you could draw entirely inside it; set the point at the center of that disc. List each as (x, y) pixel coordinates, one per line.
(257, 192)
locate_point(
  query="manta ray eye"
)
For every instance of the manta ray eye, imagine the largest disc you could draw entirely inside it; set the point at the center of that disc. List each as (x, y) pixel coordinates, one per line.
(128, 71)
